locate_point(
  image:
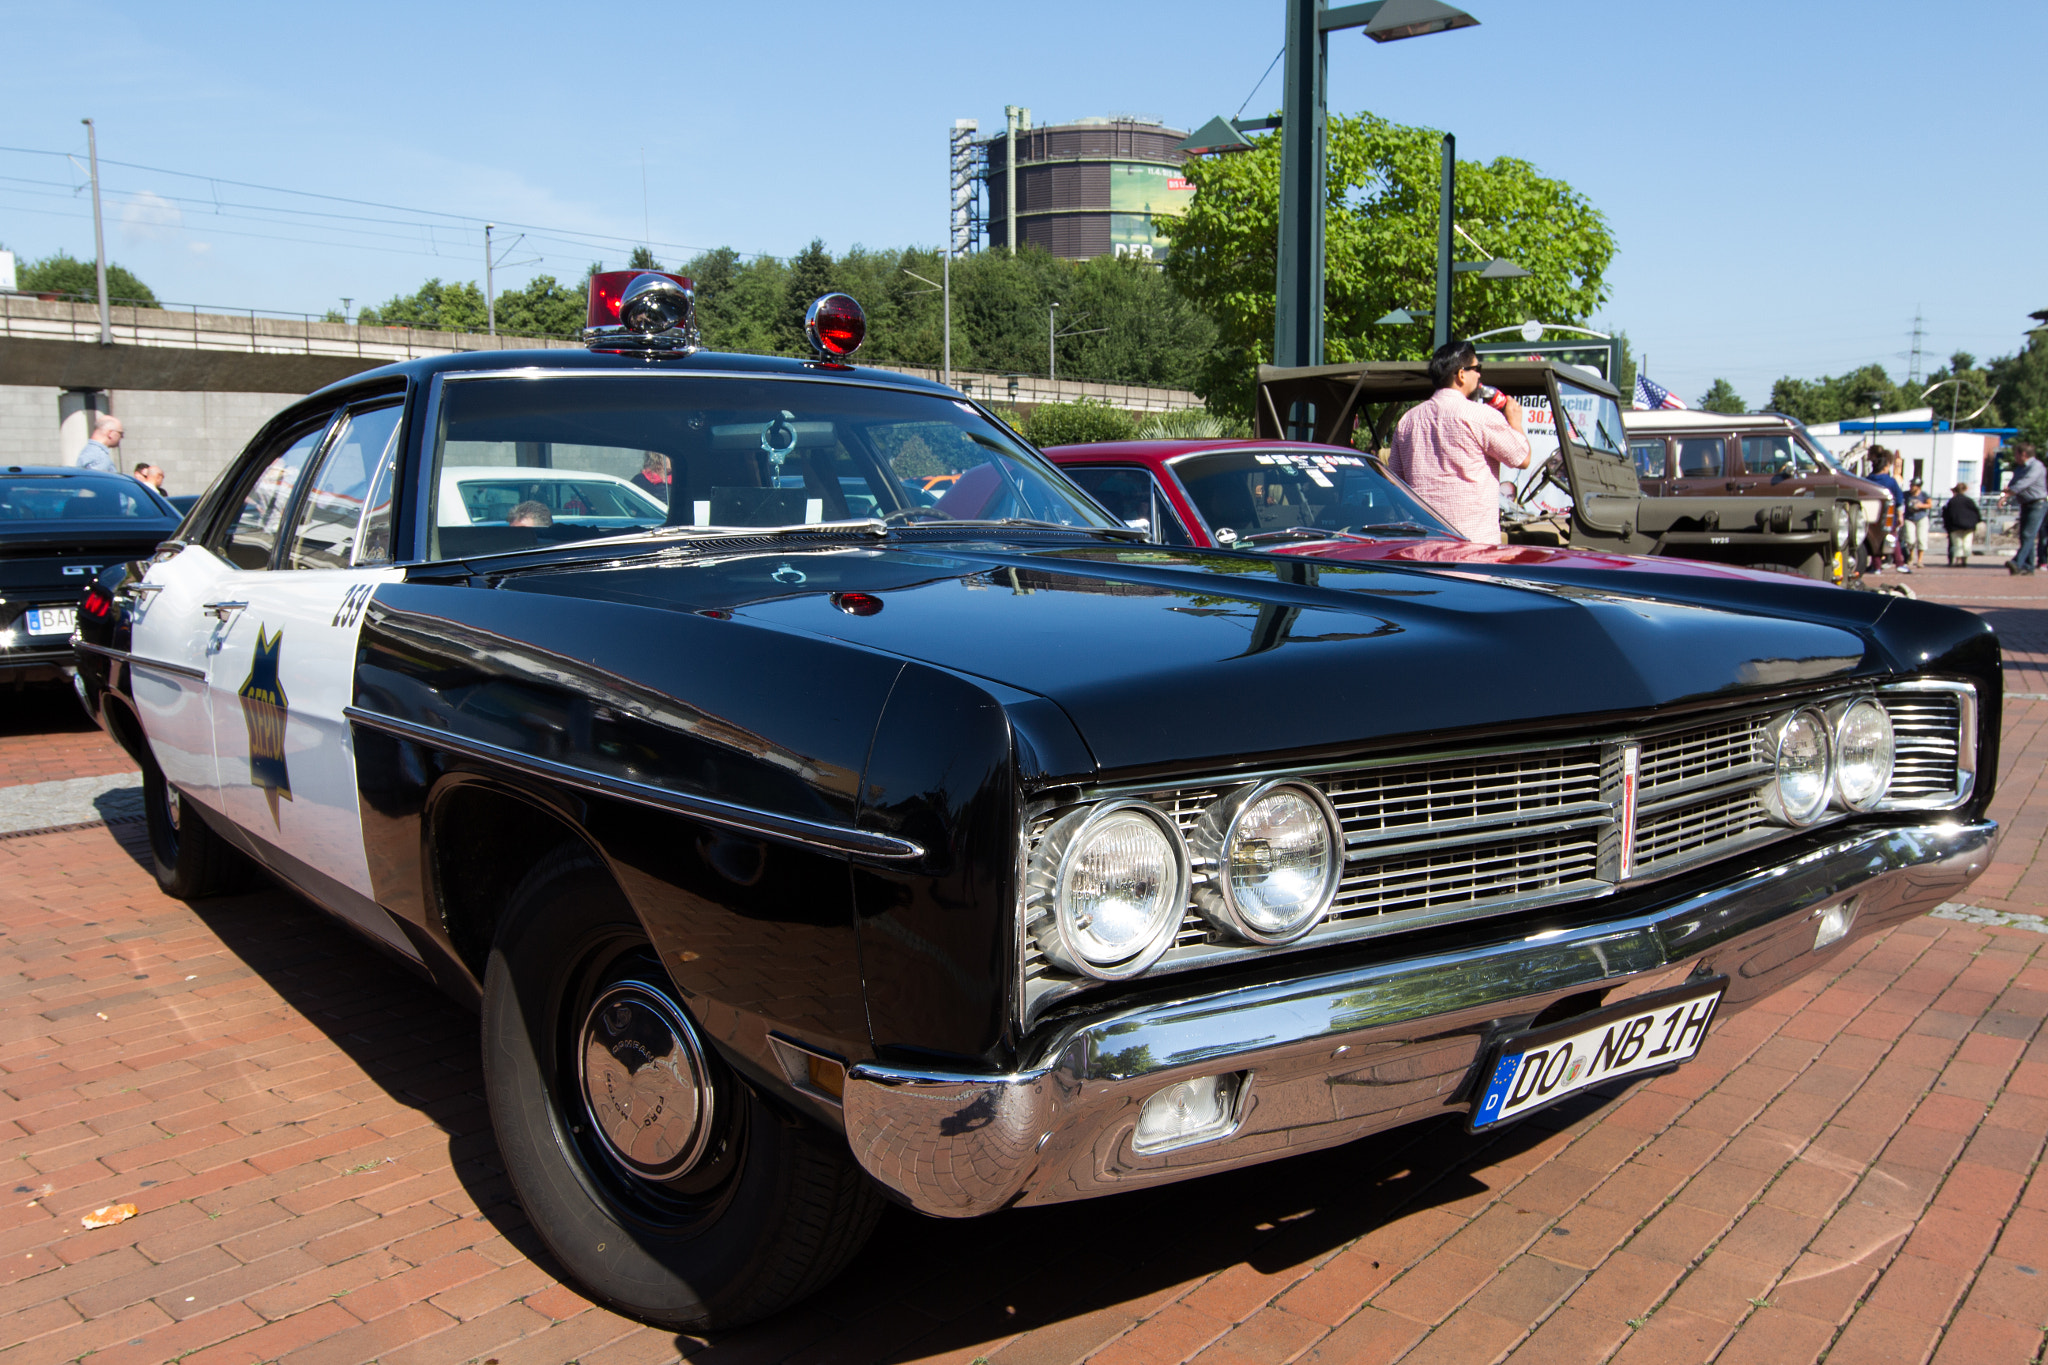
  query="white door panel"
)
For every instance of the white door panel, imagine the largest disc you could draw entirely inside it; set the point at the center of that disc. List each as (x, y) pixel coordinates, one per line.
(172, 628)
(284, 672)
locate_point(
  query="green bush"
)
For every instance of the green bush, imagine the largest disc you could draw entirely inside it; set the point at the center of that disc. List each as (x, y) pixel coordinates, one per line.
(1192, 424)
(1078, 423)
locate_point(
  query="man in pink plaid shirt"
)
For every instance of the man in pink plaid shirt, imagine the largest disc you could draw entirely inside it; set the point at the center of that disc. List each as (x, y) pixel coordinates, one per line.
(1451, 450)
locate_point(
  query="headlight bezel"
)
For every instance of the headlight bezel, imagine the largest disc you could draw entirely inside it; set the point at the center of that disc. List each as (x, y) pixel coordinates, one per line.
(1211, 841)
(1054, 862)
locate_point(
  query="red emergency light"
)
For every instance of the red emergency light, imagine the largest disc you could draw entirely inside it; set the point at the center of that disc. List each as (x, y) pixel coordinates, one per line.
(836, 326)
(608, 288)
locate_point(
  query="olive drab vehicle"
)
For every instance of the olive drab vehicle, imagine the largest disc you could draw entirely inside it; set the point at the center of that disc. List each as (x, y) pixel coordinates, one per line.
(1581, 489)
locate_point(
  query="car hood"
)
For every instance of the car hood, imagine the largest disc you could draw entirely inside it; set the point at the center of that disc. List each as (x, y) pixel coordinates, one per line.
(1173, 657)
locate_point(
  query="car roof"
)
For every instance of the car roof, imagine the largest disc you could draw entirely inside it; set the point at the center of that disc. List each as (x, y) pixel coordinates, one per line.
(1692, 419)
(583, 358)
(1159, 452)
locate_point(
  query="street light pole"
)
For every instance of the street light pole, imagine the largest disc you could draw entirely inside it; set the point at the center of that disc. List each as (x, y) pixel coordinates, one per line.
(1443, 240)
(1298, 308)
(99, 235)
(490, 293)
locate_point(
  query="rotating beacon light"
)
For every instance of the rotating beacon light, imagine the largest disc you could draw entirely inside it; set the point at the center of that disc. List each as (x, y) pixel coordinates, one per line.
(641, 310)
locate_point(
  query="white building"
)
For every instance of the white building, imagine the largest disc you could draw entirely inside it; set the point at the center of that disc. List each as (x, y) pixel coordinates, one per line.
(1939, 458)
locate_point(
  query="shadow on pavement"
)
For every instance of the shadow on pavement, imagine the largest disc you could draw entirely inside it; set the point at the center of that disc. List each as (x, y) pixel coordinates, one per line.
(44, 709)
(923, 1285)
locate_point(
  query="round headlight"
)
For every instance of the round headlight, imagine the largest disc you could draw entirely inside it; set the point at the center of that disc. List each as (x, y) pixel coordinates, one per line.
(1114, 880)
(1804, 777)
(1864, 750)
(1278, 854)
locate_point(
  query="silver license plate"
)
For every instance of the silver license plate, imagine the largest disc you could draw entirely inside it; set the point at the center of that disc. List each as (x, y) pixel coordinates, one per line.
(52, 620)
(1537, 1069)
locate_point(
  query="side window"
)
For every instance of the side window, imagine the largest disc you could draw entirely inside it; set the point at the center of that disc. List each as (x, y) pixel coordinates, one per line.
(1701, 457)
(248, 541)
(335, 521)
(1773, 455)
(1126, 492)
(1649, 458)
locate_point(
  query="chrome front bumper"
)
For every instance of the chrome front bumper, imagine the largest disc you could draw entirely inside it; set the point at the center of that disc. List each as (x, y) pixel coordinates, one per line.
(1335, 1056)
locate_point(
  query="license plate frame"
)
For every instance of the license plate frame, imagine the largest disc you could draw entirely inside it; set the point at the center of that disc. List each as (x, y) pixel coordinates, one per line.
(1507, 1090)
(37, 620)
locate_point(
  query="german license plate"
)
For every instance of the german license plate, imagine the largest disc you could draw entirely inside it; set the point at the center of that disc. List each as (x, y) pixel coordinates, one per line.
(52, 620)
(1537, 1069)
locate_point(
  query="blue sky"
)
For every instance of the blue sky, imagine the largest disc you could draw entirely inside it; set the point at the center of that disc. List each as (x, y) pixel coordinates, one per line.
(1788, 184)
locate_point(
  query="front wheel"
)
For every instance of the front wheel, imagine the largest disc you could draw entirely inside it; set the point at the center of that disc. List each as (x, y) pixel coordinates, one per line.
(189, 860)
(666, 1186)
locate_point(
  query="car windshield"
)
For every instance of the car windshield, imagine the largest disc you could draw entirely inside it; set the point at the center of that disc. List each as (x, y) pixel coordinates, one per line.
(1595, 419)
(550, 459)
(78, 498)
(1246, 492)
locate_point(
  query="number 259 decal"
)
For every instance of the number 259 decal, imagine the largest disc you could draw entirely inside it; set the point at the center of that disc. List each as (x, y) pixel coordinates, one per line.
(352, 605)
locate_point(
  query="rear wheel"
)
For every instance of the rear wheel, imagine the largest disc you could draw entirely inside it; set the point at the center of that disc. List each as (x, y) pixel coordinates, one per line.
(664, 1184)
(190, 861)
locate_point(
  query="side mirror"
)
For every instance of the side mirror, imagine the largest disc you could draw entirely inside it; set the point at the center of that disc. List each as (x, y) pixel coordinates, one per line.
(1140, 524)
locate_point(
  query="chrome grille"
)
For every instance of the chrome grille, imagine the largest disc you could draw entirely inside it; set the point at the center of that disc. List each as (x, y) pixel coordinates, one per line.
(1927, 727)
(1698, 828)
(1458, 836)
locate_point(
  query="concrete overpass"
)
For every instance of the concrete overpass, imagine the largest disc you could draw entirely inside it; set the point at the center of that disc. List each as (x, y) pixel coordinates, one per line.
(192, 387)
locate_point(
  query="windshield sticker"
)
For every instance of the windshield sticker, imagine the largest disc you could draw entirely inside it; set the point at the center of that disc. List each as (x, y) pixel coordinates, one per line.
(1319, 478)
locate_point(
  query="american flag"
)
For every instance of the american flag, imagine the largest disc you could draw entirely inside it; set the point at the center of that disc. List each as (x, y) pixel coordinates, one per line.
(1650, 394)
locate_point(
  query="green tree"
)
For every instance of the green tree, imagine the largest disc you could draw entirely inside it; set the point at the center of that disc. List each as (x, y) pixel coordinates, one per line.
(810, 274)
(1067, 424)
(62, 274)
(642, 259)
(1835, 398)
(2021, 380)
(1380, 236)
(1722, 397)
(434, 306)
(542, 308)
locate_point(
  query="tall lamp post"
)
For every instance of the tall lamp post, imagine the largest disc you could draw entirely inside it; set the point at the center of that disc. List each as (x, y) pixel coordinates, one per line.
(1298, 311)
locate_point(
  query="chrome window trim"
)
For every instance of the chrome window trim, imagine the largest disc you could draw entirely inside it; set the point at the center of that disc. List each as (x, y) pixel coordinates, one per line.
(731, 815)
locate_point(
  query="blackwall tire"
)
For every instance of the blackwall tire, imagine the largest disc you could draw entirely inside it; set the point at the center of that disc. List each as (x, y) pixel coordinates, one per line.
(189, 860)
(769, 1208)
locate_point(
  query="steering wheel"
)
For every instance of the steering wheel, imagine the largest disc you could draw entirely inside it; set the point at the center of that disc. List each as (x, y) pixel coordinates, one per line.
(1551, 473)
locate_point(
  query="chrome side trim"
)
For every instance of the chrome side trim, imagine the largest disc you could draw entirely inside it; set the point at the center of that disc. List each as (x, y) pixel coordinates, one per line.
(789, 828)
(1335, 1055)
(134, 660)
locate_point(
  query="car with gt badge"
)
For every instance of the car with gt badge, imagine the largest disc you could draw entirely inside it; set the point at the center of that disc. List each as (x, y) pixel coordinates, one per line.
(885, 820)
(59, 526)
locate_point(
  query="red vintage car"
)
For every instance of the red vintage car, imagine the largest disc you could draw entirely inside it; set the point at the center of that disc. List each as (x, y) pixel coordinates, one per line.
(1300, 498)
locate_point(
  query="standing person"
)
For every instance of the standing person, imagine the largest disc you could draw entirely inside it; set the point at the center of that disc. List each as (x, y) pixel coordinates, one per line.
(1918, 505)
(1960, 517)
(1888, 532)
(2029, 488)
(106, 439)
(145, 472)
(1451, 449)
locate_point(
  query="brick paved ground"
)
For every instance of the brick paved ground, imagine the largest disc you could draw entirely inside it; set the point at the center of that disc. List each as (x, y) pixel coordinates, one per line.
(45, 736)
(1848, 1170)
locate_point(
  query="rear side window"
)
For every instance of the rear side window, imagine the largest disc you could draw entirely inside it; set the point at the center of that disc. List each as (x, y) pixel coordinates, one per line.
(75, 498)
(1649, 458)
(343, 506)
(1701, 457)
(249, 540)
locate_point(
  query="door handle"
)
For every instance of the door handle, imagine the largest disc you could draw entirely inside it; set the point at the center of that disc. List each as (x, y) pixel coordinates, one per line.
(221, 610)
(138, 589)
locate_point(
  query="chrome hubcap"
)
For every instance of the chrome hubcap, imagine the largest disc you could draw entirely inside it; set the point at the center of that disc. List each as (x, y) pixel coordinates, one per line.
(645, 1085)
